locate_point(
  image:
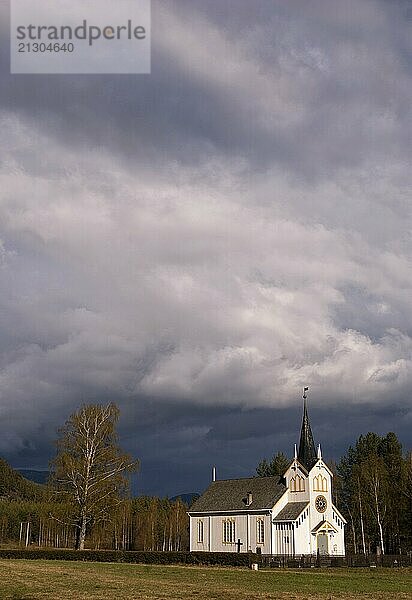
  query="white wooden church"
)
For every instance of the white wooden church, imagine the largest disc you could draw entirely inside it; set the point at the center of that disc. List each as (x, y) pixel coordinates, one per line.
(291, 514)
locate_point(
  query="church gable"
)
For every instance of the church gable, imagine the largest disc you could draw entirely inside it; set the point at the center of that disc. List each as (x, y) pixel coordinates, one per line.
(324, 527)
(320, 477)
(296, 477)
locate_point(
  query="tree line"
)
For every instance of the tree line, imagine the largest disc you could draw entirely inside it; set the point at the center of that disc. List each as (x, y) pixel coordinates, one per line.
(142, 523)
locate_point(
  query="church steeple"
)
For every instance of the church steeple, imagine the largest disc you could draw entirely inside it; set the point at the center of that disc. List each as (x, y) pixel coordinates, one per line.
(307, 452)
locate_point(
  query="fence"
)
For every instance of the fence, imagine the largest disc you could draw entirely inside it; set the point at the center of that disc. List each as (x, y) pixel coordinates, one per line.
(350, 560)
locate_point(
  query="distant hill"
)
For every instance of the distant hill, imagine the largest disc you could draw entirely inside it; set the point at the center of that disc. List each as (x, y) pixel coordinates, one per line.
(186, 498)
(13, 486)
(33, 475)
(28, 484)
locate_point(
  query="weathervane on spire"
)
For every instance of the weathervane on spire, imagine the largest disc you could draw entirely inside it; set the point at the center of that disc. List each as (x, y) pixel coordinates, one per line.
(305, 389)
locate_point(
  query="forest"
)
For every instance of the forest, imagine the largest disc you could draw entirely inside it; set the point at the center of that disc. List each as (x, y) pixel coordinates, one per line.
(373, 488)
(142, 523)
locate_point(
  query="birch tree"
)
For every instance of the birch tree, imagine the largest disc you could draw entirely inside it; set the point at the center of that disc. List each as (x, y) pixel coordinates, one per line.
(374, 478)
(90, 469)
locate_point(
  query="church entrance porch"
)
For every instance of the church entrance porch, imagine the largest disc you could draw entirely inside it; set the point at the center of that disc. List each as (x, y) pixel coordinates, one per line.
(325, 533)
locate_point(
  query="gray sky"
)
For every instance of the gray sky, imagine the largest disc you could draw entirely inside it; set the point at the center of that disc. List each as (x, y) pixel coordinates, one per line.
(198, 244)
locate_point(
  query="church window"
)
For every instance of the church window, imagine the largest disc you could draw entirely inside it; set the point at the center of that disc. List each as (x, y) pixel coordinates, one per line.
(320, 483)
(297, 484)
(200, 529)
(229, 534)
(260, 531)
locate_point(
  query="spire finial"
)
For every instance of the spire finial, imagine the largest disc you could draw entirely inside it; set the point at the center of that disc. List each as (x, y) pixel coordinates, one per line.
(319, 452)
(305, 389)
(296, 453)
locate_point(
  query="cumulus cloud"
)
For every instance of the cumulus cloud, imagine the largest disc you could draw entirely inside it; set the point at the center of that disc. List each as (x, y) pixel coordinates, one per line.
(199, 244)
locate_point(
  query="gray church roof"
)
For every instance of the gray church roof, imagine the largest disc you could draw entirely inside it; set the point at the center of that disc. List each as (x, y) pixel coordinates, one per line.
(231, 494)
(291, 511)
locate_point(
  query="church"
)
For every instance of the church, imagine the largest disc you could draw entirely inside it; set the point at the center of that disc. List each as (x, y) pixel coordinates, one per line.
(292, 514)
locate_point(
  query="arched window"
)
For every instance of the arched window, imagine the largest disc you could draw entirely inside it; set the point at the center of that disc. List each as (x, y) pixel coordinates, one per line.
(297, 484)
(320, 483)
(260, 531)
(200, 530)
(229, 534)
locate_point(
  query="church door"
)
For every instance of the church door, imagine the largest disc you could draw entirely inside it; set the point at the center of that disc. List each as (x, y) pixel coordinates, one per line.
(322, 543)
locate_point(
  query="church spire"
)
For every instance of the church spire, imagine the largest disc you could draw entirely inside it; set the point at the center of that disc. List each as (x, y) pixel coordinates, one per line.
(307, 453)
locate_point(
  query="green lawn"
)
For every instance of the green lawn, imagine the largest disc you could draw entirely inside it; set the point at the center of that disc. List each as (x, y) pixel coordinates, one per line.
(60, 580)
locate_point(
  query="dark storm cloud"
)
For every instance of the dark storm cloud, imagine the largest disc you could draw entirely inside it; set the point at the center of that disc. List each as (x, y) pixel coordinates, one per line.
(199, 243)
(310, 93)
(236, 441)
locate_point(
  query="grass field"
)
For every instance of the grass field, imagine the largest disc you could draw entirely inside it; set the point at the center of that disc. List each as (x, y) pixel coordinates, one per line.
(59, 580)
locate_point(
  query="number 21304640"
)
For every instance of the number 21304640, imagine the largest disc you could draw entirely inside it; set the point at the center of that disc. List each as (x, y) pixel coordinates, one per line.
(43, 47)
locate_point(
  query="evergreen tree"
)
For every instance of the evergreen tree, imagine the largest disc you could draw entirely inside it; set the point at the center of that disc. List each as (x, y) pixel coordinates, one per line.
(277, 466)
